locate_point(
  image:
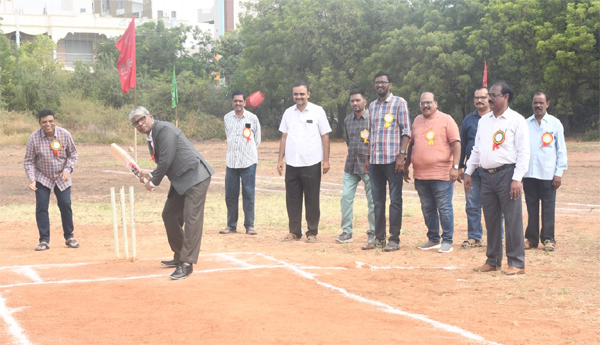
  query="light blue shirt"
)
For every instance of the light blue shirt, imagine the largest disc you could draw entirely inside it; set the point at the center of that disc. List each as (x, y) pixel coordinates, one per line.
(550, 160)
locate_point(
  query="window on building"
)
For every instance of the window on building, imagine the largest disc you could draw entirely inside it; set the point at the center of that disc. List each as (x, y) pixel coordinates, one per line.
(82, 10)
(78, 51)
(173, 14)
(160, 14)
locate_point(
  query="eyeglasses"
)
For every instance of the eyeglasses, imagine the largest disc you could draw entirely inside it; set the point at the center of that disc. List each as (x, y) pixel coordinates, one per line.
(140, 120)
(481, 98)
(494, 95)
(426, 103)
(382, 82)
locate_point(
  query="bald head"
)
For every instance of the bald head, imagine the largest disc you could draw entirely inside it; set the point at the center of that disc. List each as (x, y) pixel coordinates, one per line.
(428, 104)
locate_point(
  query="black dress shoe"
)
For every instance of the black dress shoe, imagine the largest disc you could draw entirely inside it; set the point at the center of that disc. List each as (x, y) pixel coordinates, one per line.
(170, 263)
(182, 271)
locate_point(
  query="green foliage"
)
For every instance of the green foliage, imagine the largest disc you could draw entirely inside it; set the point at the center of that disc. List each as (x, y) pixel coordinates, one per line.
(336, 45)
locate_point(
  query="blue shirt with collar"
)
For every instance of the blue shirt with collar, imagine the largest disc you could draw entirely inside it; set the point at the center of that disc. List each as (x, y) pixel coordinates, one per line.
(548, 160)
(468, 130)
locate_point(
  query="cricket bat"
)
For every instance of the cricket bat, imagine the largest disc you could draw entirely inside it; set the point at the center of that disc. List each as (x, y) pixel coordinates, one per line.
(124, 157)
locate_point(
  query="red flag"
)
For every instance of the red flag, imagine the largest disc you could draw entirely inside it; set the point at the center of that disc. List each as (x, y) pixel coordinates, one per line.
(126, 61)
(485, 74)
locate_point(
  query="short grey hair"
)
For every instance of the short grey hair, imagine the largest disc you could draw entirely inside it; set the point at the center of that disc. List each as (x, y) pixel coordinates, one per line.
(139, 110)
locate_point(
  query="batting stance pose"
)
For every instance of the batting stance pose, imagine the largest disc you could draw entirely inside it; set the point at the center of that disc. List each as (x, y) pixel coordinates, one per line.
(189, 173)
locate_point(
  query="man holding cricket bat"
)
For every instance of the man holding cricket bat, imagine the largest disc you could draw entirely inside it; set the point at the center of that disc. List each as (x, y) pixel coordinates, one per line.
(189, 174)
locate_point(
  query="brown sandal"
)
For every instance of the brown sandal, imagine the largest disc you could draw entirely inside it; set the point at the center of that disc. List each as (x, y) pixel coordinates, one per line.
(251, 232)
(227, 231)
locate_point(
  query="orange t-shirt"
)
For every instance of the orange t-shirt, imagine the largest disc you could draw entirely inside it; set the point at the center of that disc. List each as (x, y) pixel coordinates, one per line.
(432, 153)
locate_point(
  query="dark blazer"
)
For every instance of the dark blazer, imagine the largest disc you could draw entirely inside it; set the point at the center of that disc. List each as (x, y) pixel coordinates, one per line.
(177, 158)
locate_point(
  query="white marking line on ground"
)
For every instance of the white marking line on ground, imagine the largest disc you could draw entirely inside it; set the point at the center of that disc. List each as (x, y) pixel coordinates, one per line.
(29, 273)
(385, 307)
(13, 326)
(52, 265)
(282, 264)
(237, 261)
(414, 267)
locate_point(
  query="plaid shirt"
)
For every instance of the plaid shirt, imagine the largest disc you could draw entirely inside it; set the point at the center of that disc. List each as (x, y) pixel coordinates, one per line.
(385, 142)
(41, 164)
(357, 147)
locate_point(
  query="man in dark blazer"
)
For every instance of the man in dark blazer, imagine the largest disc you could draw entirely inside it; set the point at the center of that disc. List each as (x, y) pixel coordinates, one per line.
(189, 174)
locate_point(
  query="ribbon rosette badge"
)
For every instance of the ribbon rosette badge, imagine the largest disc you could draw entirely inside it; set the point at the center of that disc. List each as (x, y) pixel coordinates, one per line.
(430, 135)
(498, 139)
(365, 135)
(247, 134)
(547, 138)
(388, 119)
(56, 145)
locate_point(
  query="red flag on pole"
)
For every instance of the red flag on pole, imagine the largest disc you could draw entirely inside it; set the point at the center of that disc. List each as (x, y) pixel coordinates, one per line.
(126, 61)
(485, 74)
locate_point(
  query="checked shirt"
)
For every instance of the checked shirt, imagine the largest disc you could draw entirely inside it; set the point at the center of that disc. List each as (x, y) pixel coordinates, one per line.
(41, 164)
(385, 141)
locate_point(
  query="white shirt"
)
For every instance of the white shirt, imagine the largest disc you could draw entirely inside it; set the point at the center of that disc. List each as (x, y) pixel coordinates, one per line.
(547, 160)
(513, 150)
(303, 146)
(241, 151)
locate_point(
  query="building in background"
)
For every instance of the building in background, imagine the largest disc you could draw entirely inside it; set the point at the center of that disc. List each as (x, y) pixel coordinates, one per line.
(76, 25)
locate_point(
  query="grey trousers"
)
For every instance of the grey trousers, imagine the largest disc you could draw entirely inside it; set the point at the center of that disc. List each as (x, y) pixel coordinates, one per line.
(185, 209)
(495, 199)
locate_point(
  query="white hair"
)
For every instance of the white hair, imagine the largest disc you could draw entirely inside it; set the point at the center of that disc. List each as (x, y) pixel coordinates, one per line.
(139, 110)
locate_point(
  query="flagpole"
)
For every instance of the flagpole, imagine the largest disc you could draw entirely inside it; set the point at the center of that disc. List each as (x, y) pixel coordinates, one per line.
(176, 118)
(135, 129)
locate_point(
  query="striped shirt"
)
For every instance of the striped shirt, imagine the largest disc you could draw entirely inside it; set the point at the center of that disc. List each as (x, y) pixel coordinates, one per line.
(385, 142)
(42, 165)
(357, 146)
(241, 151)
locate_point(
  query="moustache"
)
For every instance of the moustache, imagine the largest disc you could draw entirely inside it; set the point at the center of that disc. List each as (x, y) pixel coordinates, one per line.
(478, 103)
(426, 108)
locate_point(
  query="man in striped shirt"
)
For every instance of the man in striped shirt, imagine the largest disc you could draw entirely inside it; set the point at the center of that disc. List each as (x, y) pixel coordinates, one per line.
(389, 134)
(50, 158)
(243, 137)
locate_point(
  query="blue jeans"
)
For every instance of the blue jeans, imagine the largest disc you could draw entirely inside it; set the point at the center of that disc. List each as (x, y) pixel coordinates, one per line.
(42, 199)
(436, 197)
(347, 202)
(473, 207)
(232, 195)
(380, 175)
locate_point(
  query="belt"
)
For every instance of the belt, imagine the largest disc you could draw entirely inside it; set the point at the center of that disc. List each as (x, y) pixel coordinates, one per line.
(497, 169)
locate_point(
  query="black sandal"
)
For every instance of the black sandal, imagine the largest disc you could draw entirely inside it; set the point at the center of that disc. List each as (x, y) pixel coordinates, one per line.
(72, 243)
(42, 246)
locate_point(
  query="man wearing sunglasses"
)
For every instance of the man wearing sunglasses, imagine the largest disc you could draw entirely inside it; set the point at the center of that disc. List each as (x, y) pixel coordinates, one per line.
(502, 151)
(189, 174)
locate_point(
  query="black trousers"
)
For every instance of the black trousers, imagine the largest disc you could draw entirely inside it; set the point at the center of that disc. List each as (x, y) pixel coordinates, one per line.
(536, 191)
(303, 183)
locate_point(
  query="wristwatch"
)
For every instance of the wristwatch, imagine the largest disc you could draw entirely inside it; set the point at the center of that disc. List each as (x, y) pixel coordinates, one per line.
(455, 167)
(402, 152)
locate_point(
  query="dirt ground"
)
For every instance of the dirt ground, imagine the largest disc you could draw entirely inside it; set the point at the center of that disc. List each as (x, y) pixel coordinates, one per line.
(258, 290)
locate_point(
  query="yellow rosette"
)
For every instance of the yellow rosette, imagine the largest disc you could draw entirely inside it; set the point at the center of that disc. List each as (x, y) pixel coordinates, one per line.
(365, 135)
(388, 118)
(56, 145)
(547, 139)
(430, 135)
(247, 134)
